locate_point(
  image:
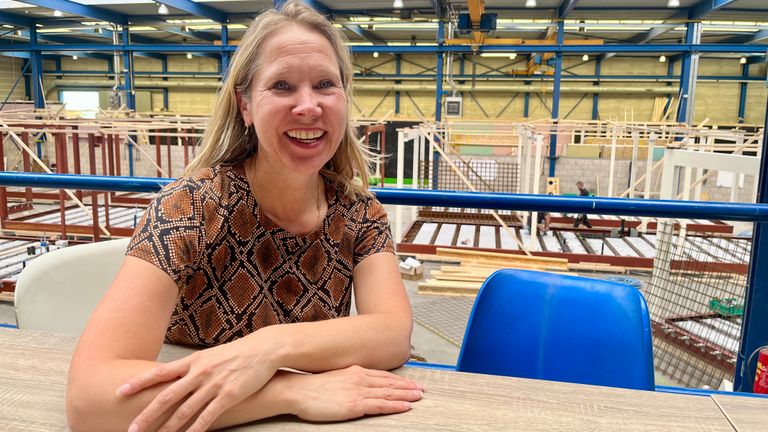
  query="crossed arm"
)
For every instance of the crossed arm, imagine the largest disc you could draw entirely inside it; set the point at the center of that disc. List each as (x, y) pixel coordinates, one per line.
(115, 381)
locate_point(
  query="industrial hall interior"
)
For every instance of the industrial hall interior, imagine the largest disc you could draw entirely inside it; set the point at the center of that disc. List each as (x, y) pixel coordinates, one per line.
(600, 144)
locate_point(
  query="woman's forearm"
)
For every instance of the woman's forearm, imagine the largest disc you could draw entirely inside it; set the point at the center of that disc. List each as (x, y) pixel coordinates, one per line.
(94, 405)
(376, 341)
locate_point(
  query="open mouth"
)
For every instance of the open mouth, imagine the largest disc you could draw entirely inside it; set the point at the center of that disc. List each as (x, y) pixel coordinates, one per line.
(306, 137)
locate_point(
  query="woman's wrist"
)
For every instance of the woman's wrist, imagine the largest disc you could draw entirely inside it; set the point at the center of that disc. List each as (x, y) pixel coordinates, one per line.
(285, 390)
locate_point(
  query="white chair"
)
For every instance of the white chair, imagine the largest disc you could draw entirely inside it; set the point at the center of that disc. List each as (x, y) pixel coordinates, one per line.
(57, 291)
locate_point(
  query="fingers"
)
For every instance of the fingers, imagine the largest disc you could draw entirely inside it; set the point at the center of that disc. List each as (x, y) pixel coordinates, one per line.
(380, 406)
(160, 374)
(393, 381)
(389, 394)
(213, 411)
(167, 398)
(186, 411)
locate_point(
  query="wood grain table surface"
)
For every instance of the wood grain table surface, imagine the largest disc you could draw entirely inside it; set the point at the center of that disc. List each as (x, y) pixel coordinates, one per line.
(33, 373)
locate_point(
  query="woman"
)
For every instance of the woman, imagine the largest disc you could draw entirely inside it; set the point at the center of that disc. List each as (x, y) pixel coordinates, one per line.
(253, 255)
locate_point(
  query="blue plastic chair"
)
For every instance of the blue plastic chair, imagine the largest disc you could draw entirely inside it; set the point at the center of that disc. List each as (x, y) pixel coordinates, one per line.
(560, 328)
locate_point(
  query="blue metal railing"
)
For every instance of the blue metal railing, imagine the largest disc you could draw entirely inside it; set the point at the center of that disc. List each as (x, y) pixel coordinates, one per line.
(498, 201)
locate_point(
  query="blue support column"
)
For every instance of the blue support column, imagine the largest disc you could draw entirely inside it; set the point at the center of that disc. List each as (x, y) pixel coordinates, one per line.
(439, 78)
(130, 96)
(556, 97)
(27, 86)
(688, 71)
(595, 98)
(36, 80)
(164, 66)
(754, 331)
(438, 98)
(743, 93)
(224, 53)
(398, 58)
(526, 101)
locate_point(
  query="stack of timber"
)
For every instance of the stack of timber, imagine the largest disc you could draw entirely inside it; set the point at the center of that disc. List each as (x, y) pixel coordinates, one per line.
(476, 266)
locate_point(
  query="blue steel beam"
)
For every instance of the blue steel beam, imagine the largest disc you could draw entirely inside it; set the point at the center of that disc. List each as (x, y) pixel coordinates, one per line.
(760, 36)
(706, 7)
(17, 20)
(565, 8)
(757, 59)
(198, 9)
(81, 10)
(696, 12)
(365, 34)
(423, 49)
(203, 36)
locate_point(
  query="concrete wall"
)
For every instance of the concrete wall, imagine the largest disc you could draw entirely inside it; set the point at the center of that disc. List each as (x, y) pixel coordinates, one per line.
(10, 70)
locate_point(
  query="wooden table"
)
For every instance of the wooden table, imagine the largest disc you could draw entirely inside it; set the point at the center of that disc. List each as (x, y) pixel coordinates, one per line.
(34, 368)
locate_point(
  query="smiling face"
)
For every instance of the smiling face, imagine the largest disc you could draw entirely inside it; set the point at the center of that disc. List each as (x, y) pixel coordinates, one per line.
(296, 102)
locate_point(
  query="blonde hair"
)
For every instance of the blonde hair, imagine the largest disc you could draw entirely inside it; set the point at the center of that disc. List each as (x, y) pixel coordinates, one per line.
(228, 141)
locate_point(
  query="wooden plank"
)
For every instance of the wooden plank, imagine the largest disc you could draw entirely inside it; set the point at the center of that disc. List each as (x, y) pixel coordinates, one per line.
(597, 267)
(460, 253)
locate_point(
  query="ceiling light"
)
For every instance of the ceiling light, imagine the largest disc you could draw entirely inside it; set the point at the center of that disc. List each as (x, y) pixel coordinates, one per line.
(673, 3)
(530, 3)
(74, 57)
(513, 56)
(397, 4)
(662, 59)
(163, 9)
(57, 13)
(189, 56)
(585, 57)
(743, 60)
(375, 53)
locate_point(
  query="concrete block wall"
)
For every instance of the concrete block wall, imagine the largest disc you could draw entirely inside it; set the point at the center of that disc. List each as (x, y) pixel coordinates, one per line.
(10, 70)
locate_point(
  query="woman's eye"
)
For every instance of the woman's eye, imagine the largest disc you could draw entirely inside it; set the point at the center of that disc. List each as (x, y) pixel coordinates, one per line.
(326, 84)
(281, 85)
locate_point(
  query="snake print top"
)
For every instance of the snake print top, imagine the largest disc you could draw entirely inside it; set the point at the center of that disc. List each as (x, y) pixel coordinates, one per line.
(237, 271)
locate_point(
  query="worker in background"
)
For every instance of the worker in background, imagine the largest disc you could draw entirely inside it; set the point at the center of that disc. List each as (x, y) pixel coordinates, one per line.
(542, 222)
(582, 217)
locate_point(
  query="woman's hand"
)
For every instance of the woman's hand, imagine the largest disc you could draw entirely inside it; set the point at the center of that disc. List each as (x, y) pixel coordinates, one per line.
(350, 393)
(207, 383)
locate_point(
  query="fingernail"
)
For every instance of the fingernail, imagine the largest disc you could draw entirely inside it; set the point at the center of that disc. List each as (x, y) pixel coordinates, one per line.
(122, 391)
(407, 406)
(416, 393)
(133, 427)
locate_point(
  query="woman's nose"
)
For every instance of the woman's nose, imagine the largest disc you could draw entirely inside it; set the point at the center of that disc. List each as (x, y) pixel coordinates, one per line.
(307, 103)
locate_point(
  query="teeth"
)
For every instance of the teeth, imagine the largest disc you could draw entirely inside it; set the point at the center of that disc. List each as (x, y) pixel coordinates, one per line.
(305, 135)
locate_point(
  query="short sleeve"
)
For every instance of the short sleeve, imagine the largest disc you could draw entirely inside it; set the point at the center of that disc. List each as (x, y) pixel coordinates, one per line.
(373, 235)
(170, 233)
